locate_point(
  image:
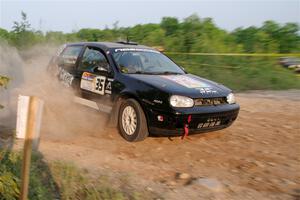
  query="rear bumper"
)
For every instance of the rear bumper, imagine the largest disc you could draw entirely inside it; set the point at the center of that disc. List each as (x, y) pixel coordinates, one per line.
(203, 119)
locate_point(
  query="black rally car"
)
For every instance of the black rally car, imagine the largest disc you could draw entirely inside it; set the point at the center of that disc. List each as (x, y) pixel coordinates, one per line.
(144, 91)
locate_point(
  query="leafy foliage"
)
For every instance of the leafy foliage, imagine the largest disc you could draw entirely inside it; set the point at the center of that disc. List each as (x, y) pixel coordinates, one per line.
(8, 186)
(22, 26)
(193, 34)
(41, 184)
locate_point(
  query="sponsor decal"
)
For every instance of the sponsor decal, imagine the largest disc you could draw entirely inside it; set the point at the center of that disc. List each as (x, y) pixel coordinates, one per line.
(190, 82)
(207, 90)
(157, 101)
(65, 77)
(88, 76)
(136, 49)
(147, 101)
(86, 85)
(97, 84)
(186, 81)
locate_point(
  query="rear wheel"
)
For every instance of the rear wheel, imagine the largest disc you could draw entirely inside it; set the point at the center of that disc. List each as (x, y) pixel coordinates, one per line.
(132, 121)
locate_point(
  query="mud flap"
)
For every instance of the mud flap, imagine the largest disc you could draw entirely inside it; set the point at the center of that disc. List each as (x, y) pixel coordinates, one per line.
(114, 115)
(186, 127)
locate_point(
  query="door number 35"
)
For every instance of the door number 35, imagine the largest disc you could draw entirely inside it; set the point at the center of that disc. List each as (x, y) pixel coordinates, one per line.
(99, 84)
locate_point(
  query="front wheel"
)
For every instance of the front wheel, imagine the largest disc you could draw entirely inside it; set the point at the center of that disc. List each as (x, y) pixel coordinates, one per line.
(132, 121)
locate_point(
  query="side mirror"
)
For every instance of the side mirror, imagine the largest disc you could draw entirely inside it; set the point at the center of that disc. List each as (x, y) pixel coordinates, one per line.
(101, 69)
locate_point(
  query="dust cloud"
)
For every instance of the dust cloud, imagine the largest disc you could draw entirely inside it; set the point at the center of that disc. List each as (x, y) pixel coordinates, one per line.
(28, 75)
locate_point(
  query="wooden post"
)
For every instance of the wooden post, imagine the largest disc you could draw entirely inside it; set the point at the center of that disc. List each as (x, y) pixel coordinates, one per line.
(30, 132)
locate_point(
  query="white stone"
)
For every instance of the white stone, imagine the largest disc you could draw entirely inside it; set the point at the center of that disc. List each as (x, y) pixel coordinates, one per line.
(184, 176)
(210, 183)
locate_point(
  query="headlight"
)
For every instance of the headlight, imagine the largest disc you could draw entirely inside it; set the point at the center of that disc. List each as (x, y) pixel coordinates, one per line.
(230, 98)
(181, 101)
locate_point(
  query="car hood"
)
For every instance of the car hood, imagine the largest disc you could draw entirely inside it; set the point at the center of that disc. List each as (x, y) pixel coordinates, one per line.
(183, 84)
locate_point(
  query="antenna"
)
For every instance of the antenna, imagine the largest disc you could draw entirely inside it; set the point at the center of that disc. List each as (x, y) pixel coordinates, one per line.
(127, 41)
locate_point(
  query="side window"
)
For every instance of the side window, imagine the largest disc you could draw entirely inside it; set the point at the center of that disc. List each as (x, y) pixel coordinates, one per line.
(69, 56)
(93, 60)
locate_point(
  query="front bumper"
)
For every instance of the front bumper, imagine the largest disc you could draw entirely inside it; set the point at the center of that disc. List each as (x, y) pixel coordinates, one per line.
(203, 119)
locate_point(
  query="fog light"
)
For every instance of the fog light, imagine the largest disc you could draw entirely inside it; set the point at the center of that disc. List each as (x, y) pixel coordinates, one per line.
(160, 118)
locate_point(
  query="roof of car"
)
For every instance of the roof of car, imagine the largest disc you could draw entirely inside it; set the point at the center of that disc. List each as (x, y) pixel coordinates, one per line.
(112, 45)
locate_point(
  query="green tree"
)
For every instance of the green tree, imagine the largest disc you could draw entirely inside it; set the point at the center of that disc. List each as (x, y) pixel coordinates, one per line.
(170, 25)
(22, 35)
(190, 29)
(289, 38)
(154, 38)
(246, 37)
(4, 34)
(56, 37)
(90, 34)
(23, 25)
(264, 43)
(193, 34)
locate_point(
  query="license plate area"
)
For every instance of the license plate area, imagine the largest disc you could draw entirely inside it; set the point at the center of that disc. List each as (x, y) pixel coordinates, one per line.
(210, 122)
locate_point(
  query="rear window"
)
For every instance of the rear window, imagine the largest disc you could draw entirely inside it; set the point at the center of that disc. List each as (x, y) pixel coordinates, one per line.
(72, 51)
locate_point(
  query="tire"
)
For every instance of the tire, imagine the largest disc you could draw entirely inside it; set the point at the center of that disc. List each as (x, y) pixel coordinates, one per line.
(132, 121)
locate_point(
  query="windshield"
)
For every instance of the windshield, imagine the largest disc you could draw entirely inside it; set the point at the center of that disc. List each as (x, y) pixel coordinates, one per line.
(145, 62)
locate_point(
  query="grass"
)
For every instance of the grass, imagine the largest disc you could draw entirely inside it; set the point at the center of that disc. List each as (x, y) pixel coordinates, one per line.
(61, 180)
(241, 73)
(41, 183)
(75, 184)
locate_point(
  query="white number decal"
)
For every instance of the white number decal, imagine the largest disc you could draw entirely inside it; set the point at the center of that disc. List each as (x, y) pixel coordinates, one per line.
(99, 84)
(108, 87)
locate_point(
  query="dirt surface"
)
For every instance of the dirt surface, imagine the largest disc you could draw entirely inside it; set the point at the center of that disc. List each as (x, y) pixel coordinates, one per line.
(258, 157)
